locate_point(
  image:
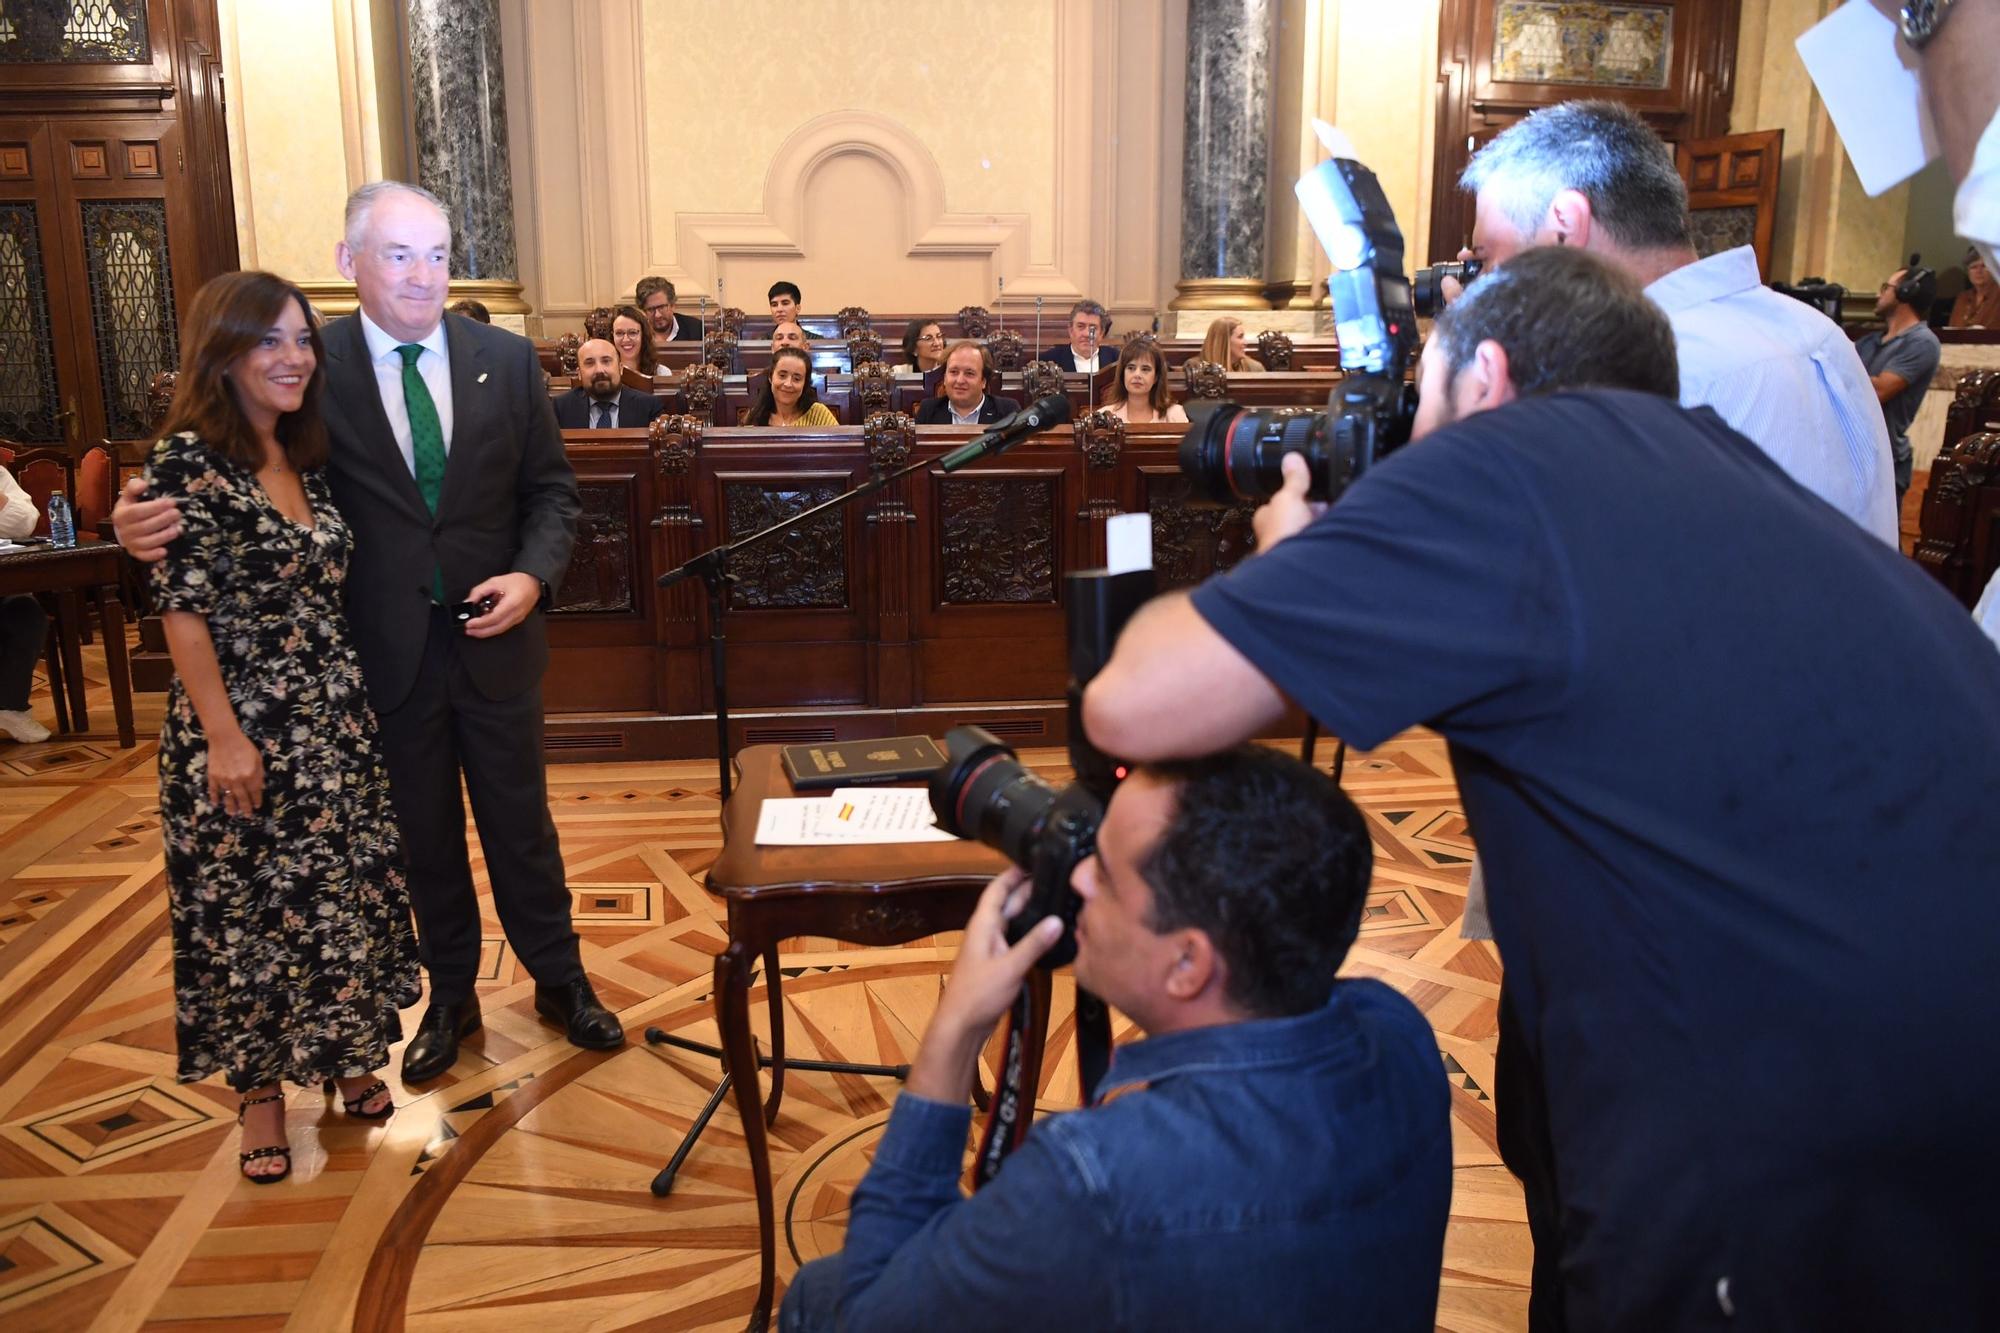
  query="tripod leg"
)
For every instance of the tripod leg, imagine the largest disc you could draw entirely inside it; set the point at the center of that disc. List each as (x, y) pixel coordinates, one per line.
(774, 998)
(663, 1184)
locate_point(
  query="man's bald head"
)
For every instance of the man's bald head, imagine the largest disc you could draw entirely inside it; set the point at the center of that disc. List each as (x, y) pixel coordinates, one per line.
(597, 368)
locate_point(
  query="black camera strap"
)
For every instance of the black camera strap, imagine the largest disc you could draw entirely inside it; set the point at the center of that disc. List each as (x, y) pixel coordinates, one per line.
(1008, 1121)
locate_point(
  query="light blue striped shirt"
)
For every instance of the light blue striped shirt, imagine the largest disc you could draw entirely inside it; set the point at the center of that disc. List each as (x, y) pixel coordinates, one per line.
(1787, 378)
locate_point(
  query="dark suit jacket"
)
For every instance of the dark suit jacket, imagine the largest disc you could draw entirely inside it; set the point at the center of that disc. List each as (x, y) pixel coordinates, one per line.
(937, 411)
(1064, 357)
(509, 504)
(634, 409)
(687, 328)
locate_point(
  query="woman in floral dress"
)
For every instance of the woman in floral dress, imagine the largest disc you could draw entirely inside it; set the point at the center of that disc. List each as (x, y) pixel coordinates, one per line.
(292, 941)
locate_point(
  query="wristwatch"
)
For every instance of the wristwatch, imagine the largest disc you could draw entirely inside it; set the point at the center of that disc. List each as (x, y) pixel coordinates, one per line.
(1921, 19)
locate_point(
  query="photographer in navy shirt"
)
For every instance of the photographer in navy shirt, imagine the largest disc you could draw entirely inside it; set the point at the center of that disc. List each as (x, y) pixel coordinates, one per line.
(1732, 765)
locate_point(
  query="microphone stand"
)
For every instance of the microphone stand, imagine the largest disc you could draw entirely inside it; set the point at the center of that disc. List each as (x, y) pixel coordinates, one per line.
(712, 568)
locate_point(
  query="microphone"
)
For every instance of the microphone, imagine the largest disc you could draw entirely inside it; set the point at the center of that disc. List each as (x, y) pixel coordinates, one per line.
(1006, 434)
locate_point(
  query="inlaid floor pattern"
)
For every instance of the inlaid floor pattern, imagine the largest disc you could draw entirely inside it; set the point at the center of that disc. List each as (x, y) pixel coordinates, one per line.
(513, 1192)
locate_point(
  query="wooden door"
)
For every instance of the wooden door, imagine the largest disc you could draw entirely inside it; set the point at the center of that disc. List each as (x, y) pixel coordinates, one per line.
(114, 190)
(1732, 182)
(41, 382)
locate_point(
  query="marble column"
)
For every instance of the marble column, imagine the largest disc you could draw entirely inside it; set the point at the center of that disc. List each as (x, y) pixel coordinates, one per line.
(1226, 160)
(459, 102)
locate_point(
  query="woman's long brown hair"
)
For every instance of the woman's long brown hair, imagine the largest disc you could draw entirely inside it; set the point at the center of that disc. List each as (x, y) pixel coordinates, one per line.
(649, 352)
(230, 315)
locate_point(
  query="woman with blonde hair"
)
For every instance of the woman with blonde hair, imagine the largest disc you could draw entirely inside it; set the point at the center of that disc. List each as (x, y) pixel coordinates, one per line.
(1139, 393)
(1224, 345)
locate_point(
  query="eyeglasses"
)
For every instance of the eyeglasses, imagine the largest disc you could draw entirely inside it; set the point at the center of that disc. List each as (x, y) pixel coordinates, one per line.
(930, 337)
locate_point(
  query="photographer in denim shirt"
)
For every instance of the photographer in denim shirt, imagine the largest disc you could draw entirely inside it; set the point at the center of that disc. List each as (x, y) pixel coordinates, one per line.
(1275, 1154)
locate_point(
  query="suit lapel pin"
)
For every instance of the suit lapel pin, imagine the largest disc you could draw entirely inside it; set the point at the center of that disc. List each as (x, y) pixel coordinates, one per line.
(481, 379)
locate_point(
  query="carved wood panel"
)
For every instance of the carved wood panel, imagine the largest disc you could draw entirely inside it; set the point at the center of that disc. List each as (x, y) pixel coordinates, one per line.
(601, 575)
(997, 540)
(805, 567)
(1191, 542)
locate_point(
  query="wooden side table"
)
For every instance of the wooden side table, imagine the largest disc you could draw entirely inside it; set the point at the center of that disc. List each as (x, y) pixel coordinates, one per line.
(90, 567)
(877, 895)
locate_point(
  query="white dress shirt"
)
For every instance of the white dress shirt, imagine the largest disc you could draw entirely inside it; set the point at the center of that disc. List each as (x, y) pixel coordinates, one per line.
(18, 514)
(1087, 367)
(970, 418)
(1975, 209)
(433, 363)
(1787, 378)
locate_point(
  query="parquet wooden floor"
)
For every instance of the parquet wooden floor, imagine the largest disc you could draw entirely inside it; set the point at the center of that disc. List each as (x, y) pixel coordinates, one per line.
(514, 1190)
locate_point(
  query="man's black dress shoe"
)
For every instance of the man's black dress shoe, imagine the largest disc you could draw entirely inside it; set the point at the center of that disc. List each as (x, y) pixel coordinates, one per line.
(435, 1047)
(574, 1005)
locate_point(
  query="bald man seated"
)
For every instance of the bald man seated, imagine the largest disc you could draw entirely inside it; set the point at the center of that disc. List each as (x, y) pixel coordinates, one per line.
(597, 402)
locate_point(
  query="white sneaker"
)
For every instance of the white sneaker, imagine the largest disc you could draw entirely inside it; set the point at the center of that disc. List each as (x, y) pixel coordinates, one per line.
(22, 726)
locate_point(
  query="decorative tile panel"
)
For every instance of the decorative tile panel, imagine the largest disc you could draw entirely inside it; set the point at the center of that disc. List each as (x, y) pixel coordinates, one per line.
(1599, 46)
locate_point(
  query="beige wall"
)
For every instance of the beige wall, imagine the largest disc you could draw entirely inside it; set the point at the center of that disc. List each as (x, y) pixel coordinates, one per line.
(314, 110)
(910, 157)
(1827, 227)
(896, 157)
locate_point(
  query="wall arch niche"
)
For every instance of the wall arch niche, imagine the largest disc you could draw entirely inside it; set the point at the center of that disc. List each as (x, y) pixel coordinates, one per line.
(855, 206)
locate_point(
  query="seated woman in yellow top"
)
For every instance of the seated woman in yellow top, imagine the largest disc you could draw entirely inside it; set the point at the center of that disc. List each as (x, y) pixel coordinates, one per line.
(1140, 392)
(1224, 346)
(787, 398)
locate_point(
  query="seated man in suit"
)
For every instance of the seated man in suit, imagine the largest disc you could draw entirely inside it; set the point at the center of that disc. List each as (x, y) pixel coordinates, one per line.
(597, 402)
(656, 297)
(785, 301)
(790, 333)
(964, 400)
(1085, 351)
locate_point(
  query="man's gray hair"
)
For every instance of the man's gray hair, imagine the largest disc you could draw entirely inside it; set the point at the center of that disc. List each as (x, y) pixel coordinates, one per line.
(362, 203)
(1602, 150)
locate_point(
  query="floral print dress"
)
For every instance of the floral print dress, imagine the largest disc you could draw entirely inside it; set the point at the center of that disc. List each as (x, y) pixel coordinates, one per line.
(293, 948)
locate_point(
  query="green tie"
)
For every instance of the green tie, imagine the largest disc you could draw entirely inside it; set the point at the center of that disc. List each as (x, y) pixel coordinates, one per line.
(426, 441)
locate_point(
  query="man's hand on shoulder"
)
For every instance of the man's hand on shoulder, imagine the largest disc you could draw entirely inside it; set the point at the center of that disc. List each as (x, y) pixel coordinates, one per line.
(1289, 510)
(984, 980)
(145, 527)
(514, 596)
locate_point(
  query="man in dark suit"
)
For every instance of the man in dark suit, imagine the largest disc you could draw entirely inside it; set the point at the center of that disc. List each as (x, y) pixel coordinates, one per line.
(964, 400)
(1085, 350)
(447, 464)
(597, 402)
(656, 297)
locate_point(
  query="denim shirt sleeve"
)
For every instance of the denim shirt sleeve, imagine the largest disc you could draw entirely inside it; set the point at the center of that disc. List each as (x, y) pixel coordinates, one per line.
(1032, 1243)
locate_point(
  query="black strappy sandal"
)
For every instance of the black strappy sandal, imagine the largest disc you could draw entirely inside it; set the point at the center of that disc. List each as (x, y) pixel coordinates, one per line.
(244, 1159)
(353, 1105)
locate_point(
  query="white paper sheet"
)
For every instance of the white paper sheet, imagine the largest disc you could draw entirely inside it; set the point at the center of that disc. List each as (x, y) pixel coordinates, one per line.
(1868, 80)
(851, 816)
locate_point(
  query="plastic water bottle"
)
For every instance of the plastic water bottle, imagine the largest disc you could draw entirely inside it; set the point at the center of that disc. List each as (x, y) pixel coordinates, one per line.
(62, 528)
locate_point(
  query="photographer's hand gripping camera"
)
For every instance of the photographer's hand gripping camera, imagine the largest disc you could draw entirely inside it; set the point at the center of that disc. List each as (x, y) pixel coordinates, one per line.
(1230, 455)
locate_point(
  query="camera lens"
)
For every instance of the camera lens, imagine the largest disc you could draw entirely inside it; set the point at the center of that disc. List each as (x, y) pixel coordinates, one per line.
(982, 792)
(1235, 455)
(1427, 290)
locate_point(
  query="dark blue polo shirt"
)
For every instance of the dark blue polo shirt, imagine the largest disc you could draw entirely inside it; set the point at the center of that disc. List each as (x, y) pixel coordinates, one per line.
(1733, 767)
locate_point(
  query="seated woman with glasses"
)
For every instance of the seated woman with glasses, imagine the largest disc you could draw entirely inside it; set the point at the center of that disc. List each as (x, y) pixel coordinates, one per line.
(632, 335)
(1139, 394)
(923, 348)
(787, 398)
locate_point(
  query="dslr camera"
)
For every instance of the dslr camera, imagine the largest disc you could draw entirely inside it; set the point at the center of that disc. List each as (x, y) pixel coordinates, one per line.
(983, 792)
(1233, 454)
(1230, 455)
